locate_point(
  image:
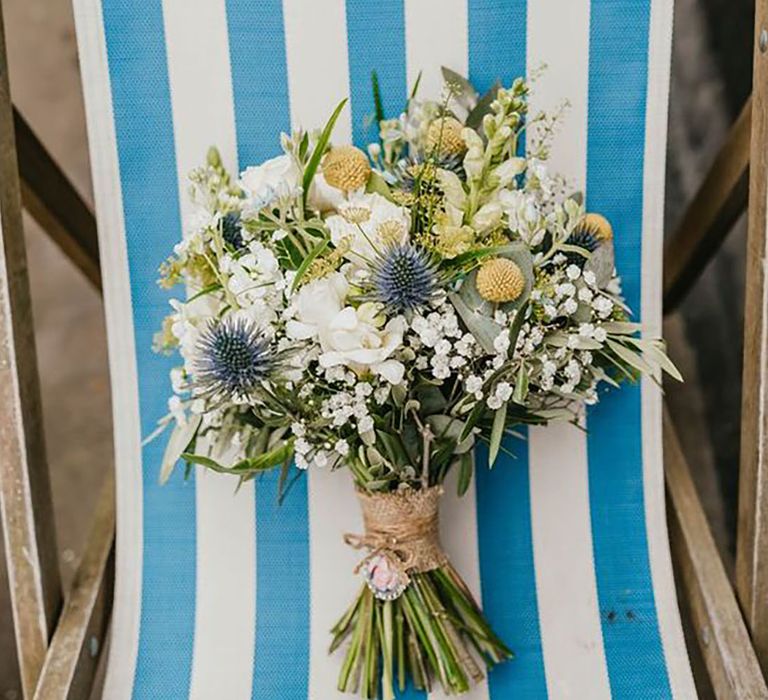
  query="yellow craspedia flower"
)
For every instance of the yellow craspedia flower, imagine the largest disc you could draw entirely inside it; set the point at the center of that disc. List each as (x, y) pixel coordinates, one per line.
(346, 168)
(444, 134)
(597, 225)
(500, 280)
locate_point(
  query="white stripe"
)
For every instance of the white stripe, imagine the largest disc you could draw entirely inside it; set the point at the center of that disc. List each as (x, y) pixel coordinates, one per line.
(571, 633)
(122, 357)
(435, 36)
(203, 115)
(667, 613)
(458, 533)
(316, 55)
(333, 511)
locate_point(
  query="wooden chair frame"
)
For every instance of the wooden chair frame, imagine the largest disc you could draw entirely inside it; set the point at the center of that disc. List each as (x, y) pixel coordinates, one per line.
(60, 642)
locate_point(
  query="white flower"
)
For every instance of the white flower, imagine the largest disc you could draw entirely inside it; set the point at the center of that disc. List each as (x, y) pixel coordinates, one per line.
(176, 409)
(600, 334)
(274, 179)
(501, 342)
(341, 447)
(487, 217)
(367, 223)
(178, 380)
(317, 304)
(354, 338)
(320, 460)
(494, 402)
(198, 220)
(504, 391)
(365, 425)
(548, 368)
(573, 272)
(322, 196)
(603, 306)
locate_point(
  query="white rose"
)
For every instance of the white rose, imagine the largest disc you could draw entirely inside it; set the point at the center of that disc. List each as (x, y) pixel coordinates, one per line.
(322, 196)
(317, 304)
(273, 179)
(354, 338)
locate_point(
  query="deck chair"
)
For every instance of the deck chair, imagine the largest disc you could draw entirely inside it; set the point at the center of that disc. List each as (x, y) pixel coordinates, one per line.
(230, 596)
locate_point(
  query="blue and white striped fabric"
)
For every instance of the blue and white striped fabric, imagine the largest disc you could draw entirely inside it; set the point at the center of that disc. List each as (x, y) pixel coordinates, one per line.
(223, 596)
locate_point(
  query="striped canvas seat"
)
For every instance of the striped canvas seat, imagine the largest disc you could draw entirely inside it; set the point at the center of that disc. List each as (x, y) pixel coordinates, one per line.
(224, 596)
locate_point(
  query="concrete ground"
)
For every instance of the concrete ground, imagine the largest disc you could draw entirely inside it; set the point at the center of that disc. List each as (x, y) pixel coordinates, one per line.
(68, 315)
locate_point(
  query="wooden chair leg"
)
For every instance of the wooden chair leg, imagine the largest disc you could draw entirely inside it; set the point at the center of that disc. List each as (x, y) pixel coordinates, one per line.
(752, 539)
(25, 498)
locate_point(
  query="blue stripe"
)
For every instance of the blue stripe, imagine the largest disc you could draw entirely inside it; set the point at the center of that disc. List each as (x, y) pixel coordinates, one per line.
(144, 130)
(616, 141)
(281, 669)
(262, 111)
(497, 41)
(376, 41)
(497, 51)
(259, 77)
(507, 571)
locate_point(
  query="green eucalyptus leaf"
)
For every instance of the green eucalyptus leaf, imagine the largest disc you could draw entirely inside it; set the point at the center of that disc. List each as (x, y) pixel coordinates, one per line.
(320, 146)
(378, 185)
(655, 354)
(431, 399)
(521, 385)
(178, 441)
(452, 428)
(474, 416)
(204, 461)
(466, 94)
(483, 328)
(475, 117)
(602, 263)
(517, 325)
(621, 327)
(317, 250)
(466, 468)
(632, 358)
(497, 433)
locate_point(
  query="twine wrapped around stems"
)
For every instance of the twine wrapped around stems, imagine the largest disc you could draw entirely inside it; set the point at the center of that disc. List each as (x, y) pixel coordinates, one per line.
(403, 525)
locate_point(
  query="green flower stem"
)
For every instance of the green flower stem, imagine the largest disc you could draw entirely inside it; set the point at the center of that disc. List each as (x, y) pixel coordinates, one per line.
(386, 640)
(434, 630)
(400, 647)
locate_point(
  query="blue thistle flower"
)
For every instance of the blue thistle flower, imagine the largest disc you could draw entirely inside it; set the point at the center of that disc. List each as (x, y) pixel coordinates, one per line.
(232, 230)
(403, 278)
(581, 238)
(233, 358)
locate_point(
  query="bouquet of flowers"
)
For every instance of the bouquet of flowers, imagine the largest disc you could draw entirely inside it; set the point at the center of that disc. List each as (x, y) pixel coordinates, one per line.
(383, 313)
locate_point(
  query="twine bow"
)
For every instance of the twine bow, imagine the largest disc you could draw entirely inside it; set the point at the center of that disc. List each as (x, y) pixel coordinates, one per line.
(403, 526)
